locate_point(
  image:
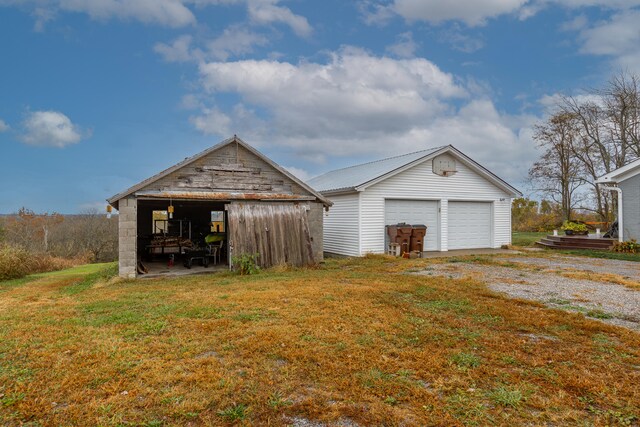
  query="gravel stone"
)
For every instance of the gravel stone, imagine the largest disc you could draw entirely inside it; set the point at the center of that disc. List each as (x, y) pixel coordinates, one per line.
(595, 299)
(627, 269)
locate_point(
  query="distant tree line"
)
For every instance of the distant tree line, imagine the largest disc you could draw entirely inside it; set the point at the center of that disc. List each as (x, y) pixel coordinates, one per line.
(584, 138)
(87, 235)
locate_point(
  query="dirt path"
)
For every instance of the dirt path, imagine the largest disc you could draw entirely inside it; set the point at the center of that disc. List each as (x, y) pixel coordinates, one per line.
(608, 302)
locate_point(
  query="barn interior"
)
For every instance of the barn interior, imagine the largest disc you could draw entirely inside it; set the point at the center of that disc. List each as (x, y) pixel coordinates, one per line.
(181, 236)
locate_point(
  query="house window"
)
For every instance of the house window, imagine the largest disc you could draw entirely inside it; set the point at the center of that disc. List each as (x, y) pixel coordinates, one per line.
(160, 222)
(217, 222)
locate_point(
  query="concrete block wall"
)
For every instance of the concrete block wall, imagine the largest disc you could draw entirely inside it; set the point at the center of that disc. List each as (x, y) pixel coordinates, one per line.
(127, 237)
(315, 217)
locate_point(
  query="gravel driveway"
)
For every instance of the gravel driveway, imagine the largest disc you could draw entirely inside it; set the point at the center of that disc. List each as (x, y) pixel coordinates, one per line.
(604, 301)
(626, 269)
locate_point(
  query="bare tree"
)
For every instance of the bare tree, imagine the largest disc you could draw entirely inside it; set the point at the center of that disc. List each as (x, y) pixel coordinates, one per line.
(608, 123)
(88, 234)
(621, 99)
(30, 230)
(557, 174)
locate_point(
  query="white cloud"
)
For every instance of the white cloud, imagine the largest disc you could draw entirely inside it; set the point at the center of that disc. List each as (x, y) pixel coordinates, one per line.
(190, 101)
(352, 89)
(42, 16)
(575, 24)
(473, 12)
(455, 37)
(235, 41)
(3, 126)
(617, 37)
(171, 13)
(50, 129)
(212, 122)
(299, 173)
(375, 14)
(405, 47)
(268, 11)
(361, 105)
(178, 51)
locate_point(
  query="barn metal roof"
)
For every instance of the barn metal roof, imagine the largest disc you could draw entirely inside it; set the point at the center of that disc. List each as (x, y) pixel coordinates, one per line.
(354, 176)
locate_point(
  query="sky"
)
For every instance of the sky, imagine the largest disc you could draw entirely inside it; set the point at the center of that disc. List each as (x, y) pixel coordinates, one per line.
(97, 95)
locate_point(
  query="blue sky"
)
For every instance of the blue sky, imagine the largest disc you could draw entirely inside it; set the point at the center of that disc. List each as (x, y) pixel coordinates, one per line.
(96, 95)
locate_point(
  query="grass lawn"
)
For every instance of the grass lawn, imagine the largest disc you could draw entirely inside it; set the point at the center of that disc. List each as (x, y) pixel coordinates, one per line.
(355, 341)
(603, 254)
(522, 238)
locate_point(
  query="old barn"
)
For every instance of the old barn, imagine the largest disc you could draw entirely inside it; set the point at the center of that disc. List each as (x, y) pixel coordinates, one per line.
(228, 201)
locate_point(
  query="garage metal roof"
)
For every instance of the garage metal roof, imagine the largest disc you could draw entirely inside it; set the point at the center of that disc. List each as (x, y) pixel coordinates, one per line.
(359, 177)
(354, 176)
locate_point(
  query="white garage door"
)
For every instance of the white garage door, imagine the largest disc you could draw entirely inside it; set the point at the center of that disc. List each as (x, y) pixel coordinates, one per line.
(415, 212)
(469, 225)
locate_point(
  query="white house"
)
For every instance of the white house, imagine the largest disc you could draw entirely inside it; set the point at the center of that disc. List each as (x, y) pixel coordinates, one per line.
(626, 182)
(464, 205)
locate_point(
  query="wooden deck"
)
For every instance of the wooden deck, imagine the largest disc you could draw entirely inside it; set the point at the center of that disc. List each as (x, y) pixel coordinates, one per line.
(576, 242)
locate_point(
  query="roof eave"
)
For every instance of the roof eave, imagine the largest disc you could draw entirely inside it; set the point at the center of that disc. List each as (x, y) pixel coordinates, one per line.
(512, 191)
(337, 191)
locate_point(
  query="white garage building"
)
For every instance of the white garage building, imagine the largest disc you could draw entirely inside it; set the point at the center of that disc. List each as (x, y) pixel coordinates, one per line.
(464, 205)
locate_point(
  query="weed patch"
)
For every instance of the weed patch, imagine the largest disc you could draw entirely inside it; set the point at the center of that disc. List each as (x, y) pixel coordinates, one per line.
(236, 412)
(465, 361)
(507, 396)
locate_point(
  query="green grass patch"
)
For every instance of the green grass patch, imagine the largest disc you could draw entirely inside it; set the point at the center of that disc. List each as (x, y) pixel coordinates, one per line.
(599, 314)
(602, 254)
(234, 413)
(459, 306)
(507, 396)
(14, 283)
(92, 273)
(520, 238)
(200, 312)
(465, 361)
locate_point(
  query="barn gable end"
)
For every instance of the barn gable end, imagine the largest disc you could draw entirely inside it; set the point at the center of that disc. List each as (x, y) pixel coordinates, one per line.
(231, 168)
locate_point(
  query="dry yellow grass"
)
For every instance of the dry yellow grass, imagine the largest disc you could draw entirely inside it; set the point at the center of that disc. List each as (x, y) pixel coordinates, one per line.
(355, 341)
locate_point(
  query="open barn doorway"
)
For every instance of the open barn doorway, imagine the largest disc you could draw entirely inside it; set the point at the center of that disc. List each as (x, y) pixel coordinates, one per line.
(178, 237)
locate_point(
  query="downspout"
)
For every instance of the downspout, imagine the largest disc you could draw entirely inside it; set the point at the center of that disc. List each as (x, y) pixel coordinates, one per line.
(620, 225)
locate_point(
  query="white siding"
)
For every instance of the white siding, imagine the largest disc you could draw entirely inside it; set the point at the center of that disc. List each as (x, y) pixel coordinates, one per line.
(341, 225)
(420, 183)
(502, 222)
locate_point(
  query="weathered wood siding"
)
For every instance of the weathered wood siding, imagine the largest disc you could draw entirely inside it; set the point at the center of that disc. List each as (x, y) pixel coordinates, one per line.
(232, 168)
(278, 232)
